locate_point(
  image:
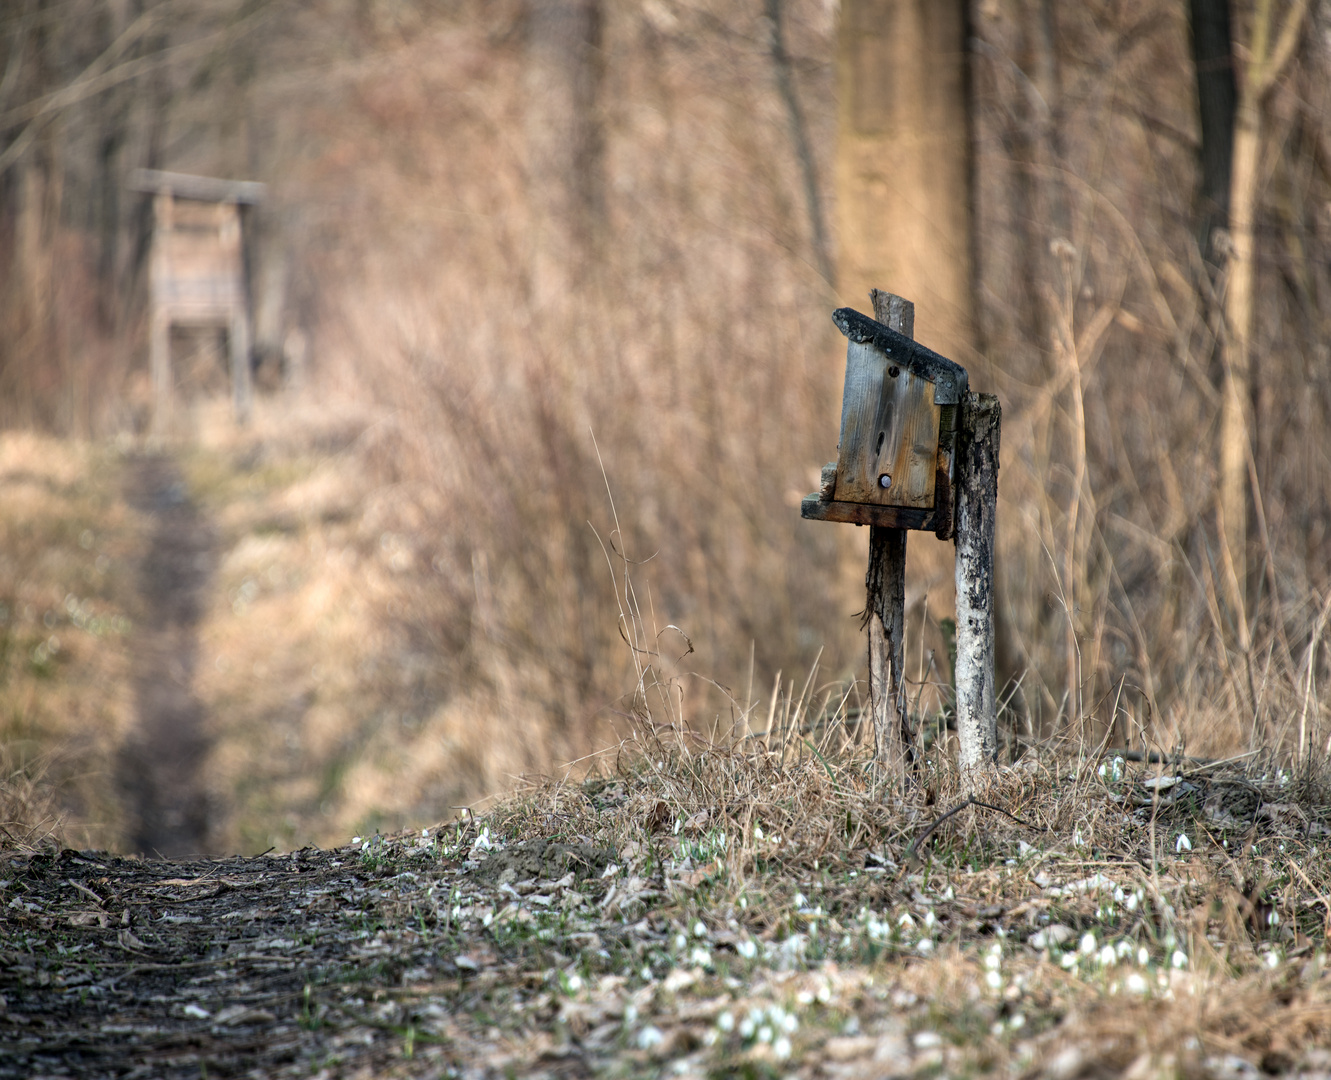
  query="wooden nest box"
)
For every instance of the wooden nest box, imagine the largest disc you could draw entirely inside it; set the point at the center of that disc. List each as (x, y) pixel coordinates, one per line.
(197, 275)
(900, 416)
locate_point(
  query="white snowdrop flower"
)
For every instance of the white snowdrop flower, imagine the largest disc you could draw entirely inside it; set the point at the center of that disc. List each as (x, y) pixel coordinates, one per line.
(630, 1013)
(680, 942)
(699, 930)
(1018, 1021)
(948, 894)
(993, 961)
(1182, 844)
(906, 922)
(997, 1030)
(1077, 839)
(1136, 984)
(746, 1027)
(487, 917)
(355, 839)
(645, 974)
(679, 824)
(930, 919)
(1133, 901)
(574, 983)
(747, 948)
(726, 1021)
(1088, 944)
(709, 1037)
(700, 958)
(1108, 957)
(994, 979)
(824, 994)
(425, 832)
(790, 1023)
(1273, 959)
(805, 997)
(1124, 948)
(1069, 960)
(1179, 959)
(781, 1048)
(925, 945)
(1273, 919)
(758, 833)
(801, 900)
(1143, 957)
(765, 1034)
(649, 1037)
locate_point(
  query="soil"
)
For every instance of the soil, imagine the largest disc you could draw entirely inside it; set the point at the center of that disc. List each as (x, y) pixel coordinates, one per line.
(349, 962)
(160, 768)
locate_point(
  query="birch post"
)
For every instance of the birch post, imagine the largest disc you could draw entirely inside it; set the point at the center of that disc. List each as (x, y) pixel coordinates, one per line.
(977, 503)
(885, 603)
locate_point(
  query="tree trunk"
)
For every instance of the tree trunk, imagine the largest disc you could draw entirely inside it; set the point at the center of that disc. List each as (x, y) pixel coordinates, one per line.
(1260, 72)
(563, 140)
(903, 161)
(1217, 101)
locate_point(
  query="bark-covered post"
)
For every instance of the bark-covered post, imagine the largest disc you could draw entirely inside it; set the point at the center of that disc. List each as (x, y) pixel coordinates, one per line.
(977, 503)
(885, 602)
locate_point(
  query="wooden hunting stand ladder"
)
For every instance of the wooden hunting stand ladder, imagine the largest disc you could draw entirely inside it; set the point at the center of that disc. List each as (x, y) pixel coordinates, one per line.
(918, 450)
(197, 275)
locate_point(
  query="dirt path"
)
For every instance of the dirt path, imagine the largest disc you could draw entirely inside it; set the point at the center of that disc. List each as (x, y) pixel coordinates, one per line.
(160, 768)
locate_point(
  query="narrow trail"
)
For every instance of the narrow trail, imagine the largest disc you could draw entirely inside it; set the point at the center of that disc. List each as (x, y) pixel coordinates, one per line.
(160, 769)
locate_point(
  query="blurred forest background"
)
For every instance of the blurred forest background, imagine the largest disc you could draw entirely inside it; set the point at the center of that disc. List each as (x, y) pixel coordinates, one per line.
(518, 257)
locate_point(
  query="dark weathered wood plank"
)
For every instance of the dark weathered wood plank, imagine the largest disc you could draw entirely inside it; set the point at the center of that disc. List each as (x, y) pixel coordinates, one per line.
(815, 508)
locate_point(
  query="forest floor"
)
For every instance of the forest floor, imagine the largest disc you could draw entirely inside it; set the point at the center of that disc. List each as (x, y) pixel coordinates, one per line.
(615, 928)
(767, 908)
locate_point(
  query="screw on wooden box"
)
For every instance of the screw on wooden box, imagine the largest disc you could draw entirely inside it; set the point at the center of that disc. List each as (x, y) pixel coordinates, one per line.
(918, 450)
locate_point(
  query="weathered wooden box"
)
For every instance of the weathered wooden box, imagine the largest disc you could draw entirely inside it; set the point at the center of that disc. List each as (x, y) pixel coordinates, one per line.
(900, 414)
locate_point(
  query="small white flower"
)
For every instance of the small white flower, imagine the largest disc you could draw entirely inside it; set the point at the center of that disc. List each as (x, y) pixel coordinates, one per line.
(699, 930)
(1077, 839)
(1136, 984)
(726, 1021)
(993, 961)
(574, 983)
(994, 979)
(680, 942)
(790, 1023)
(1143, 957)
(1273, 960)
(645, 974)
(1018, 1020)
(700, 957)
(630, 1013)
(1108, 957)
(925, 945)
(765, 1034)
(801, 900)
(649, 1037)
(1182, 844)
(1179, 959)
(781, 1048)
(1069, 960)
(1088, 944)
(747, 948)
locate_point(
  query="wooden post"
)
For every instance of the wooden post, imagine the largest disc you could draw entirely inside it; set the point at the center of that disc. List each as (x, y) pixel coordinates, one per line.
(241, 383)
(977, 503)
(885, 602)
